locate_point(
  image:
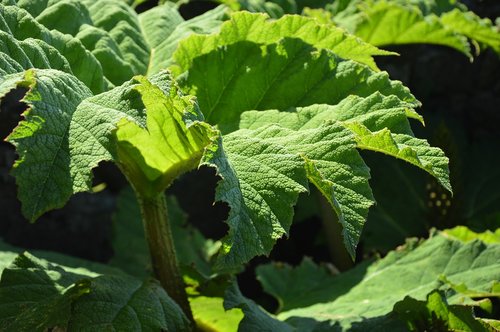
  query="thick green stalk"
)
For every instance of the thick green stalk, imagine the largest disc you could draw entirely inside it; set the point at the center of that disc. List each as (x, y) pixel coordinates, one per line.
(333, 232)
(162, 250)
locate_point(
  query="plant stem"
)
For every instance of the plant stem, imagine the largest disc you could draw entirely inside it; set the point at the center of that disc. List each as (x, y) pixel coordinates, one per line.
(333, 231)
(162, 250)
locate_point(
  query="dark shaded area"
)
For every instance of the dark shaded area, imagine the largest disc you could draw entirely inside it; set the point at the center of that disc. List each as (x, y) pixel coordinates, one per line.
(195, 8)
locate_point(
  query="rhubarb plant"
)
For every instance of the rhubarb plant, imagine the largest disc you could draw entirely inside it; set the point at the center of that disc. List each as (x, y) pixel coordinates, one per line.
(276, 107)
(396, 22)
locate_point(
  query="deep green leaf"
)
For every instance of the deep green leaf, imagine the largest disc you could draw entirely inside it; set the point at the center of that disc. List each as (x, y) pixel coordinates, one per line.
(109, 29)
(43, 172)
(37, 295)
(436, 314)
(164, 27)
(367, 292)
(279, 76)
(261, 182)
(334, 166)
(257, 28)
(28, 44)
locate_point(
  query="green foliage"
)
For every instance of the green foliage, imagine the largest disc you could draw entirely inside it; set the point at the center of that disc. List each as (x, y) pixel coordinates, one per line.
(393, 22)
(273, 106)
(369, 292)
(38, 295)
(436, 314)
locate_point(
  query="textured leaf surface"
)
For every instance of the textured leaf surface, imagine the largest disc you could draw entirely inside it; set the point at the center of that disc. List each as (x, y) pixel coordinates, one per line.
(109, 29)
(287, 74)
(122, 303)
(37, 295)
(472, 26)
(389, 24)
(154, 156)
(257, 28)
(163, 28)
(448, 23)
(42, 140)
(435, 312)
(413, 150)
(375, 111)
(261, 182)
(28, 44)
(370, 291)
(333, 165)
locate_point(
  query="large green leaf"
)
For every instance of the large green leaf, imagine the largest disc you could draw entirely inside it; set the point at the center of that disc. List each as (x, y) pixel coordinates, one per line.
(43, 172)
(153, 157)
(73, 131)
(329, 151)
(436, 313)
(448, 23)
(289, 73)
(387, 23)
(479, 30)
(28, 44)
(257, 28)
(37, 295)
(164, 27)
(261, 182)
(110, 43)
(108, 28)
(370, 291)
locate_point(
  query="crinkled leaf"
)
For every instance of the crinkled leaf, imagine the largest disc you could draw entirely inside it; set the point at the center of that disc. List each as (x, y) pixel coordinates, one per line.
(410, 149)
(257, 28)
(28, 44)
(261, 182)
(290, 73)
(448, 23)
(164, 27)
(335, 167)
(123, 303)
(37, 295)
(332, 163)
(389, 24)
(154, 156)
(376, 112)
(370, 291)
(42, 140)
(435, 313)
(479, 30)
(109, 29)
